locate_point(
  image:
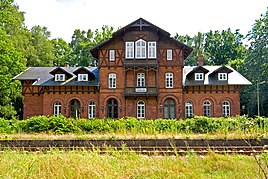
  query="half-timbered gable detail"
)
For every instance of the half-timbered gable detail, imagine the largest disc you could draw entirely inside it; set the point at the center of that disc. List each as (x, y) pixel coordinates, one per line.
(140, 73)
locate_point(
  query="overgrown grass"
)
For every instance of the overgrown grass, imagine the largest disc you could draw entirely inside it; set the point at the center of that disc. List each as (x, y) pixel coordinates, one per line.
(86, 164)
(240, 125)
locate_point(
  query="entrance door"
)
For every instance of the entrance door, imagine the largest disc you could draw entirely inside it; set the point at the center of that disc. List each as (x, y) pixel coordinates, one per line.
(169, 109)
(112, 108)
(75, 108)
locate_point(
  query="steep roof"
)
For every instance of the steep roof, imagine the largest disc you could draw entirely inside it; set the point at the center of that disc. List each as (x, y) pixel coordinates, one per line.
(141, 23)
(234, 77)
(42, 76)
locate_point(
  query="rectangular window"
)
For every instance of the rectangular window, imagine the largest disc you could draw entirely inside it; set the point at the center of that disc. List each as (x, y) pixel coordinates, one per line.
(59, 77)
(169, 80)
(129, 49)
(112, 55)
(199, 76)
(169, 54)
(112, 80)
(140, 79)
(222, 76)
(82, 77)
(151, 49)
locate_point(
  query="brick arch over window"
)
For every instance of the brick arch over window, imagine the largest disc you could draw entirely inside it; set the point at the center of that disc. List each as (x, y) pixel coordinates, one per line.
(170, 96)
(55, 100)
(226, 99)
(210, 98)
(72, 98)
(112, 96)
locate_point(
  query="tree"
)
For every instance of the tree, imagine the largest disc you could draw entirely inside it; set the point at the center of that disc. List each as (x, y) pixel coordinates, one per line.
(197, 43)
(256, 65)
(221, 48)
(61, 51)
(41, 52)
(11, 26)
(83, 41)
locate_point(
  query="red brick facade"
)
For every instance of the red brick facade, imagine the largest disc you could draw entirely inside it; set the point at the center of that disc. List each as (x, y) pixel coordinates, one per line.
(154, 97)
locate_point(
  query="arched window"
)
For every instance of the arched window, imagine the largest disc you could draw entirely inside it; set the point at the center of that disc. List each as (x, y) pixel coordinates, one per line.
(57, 108)
(74, 108)
(226, 108)
(140, 109)
(91, 110)
(169, 109)
(140, 49)
(207, 108)
(189, 109)
(112, 108)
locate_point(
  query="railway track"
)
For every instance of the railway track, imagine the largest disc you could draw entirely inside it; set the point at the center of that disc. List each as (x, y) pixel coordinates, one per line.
(148, 147)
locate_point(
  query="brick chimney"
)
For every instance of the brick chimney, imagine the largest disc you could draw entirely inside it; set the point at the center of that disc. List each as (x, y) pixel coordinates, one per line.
(200, 60)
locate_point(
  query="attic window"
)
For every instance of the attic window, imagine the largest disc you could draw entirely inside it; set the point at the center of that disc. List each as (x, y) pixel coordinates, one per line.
(140, 49)
(222, 76)
(199, 76)
(112, 55)
(82, 77)
(59, 77)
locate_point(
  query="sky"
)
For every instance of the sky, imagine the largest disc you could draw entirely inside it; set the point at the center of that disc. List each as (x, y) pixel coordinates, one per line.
(62, 17)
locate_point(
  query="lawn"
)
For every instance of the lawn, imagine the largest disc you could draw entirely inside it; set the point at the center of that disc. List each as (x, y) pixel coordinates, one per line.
(88, 164)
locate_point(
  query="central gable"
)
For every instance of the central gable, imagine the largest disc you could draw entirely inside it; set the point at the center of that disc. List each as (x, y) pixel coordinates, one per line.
(141, 29)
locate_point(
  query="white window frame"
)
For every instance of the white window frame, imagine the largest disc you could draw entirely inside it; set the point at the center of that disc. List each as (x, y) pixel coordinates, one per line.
(169, 80)
(140, 49)
(112, 80)
(222, 76)
(82, 77)
(188, 109)
(226, 109)
(112, 55)
(57, 108)
(199, 76)
(140, 79)
(129, 50)
(91, 110)
(169, 54)
(59, 77)
(151, 49)
(207, 108)
(140, 109)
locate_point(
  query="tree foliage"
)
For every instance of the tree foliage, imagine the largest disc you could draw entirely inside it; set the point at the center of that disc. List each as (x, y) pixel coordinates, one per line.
(83, 41)
(256, 65)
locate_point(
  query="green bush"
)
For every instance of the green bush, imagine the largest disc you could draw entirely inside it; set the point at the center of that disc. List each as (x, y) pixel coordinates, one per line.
(197, 124)
(5, 126)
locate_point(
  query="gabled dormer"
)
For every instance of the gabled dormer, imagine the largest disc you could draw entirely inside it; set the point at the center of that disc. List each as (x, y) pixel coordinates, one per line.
(84, 74)
(197, 74)
(61, 74)
(220, 75)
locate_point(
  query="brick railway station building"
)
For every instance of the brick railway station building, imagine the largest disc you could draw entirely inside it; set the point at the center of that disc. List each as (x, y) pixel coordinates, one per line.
(140, 73)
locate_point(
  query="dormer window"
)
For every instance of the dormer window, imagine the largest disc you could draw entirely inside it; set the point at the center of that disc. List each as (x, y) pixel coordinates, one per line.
(82, 77)
(199, 76)
(59, 77)
(222, 76)
(140, 49)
